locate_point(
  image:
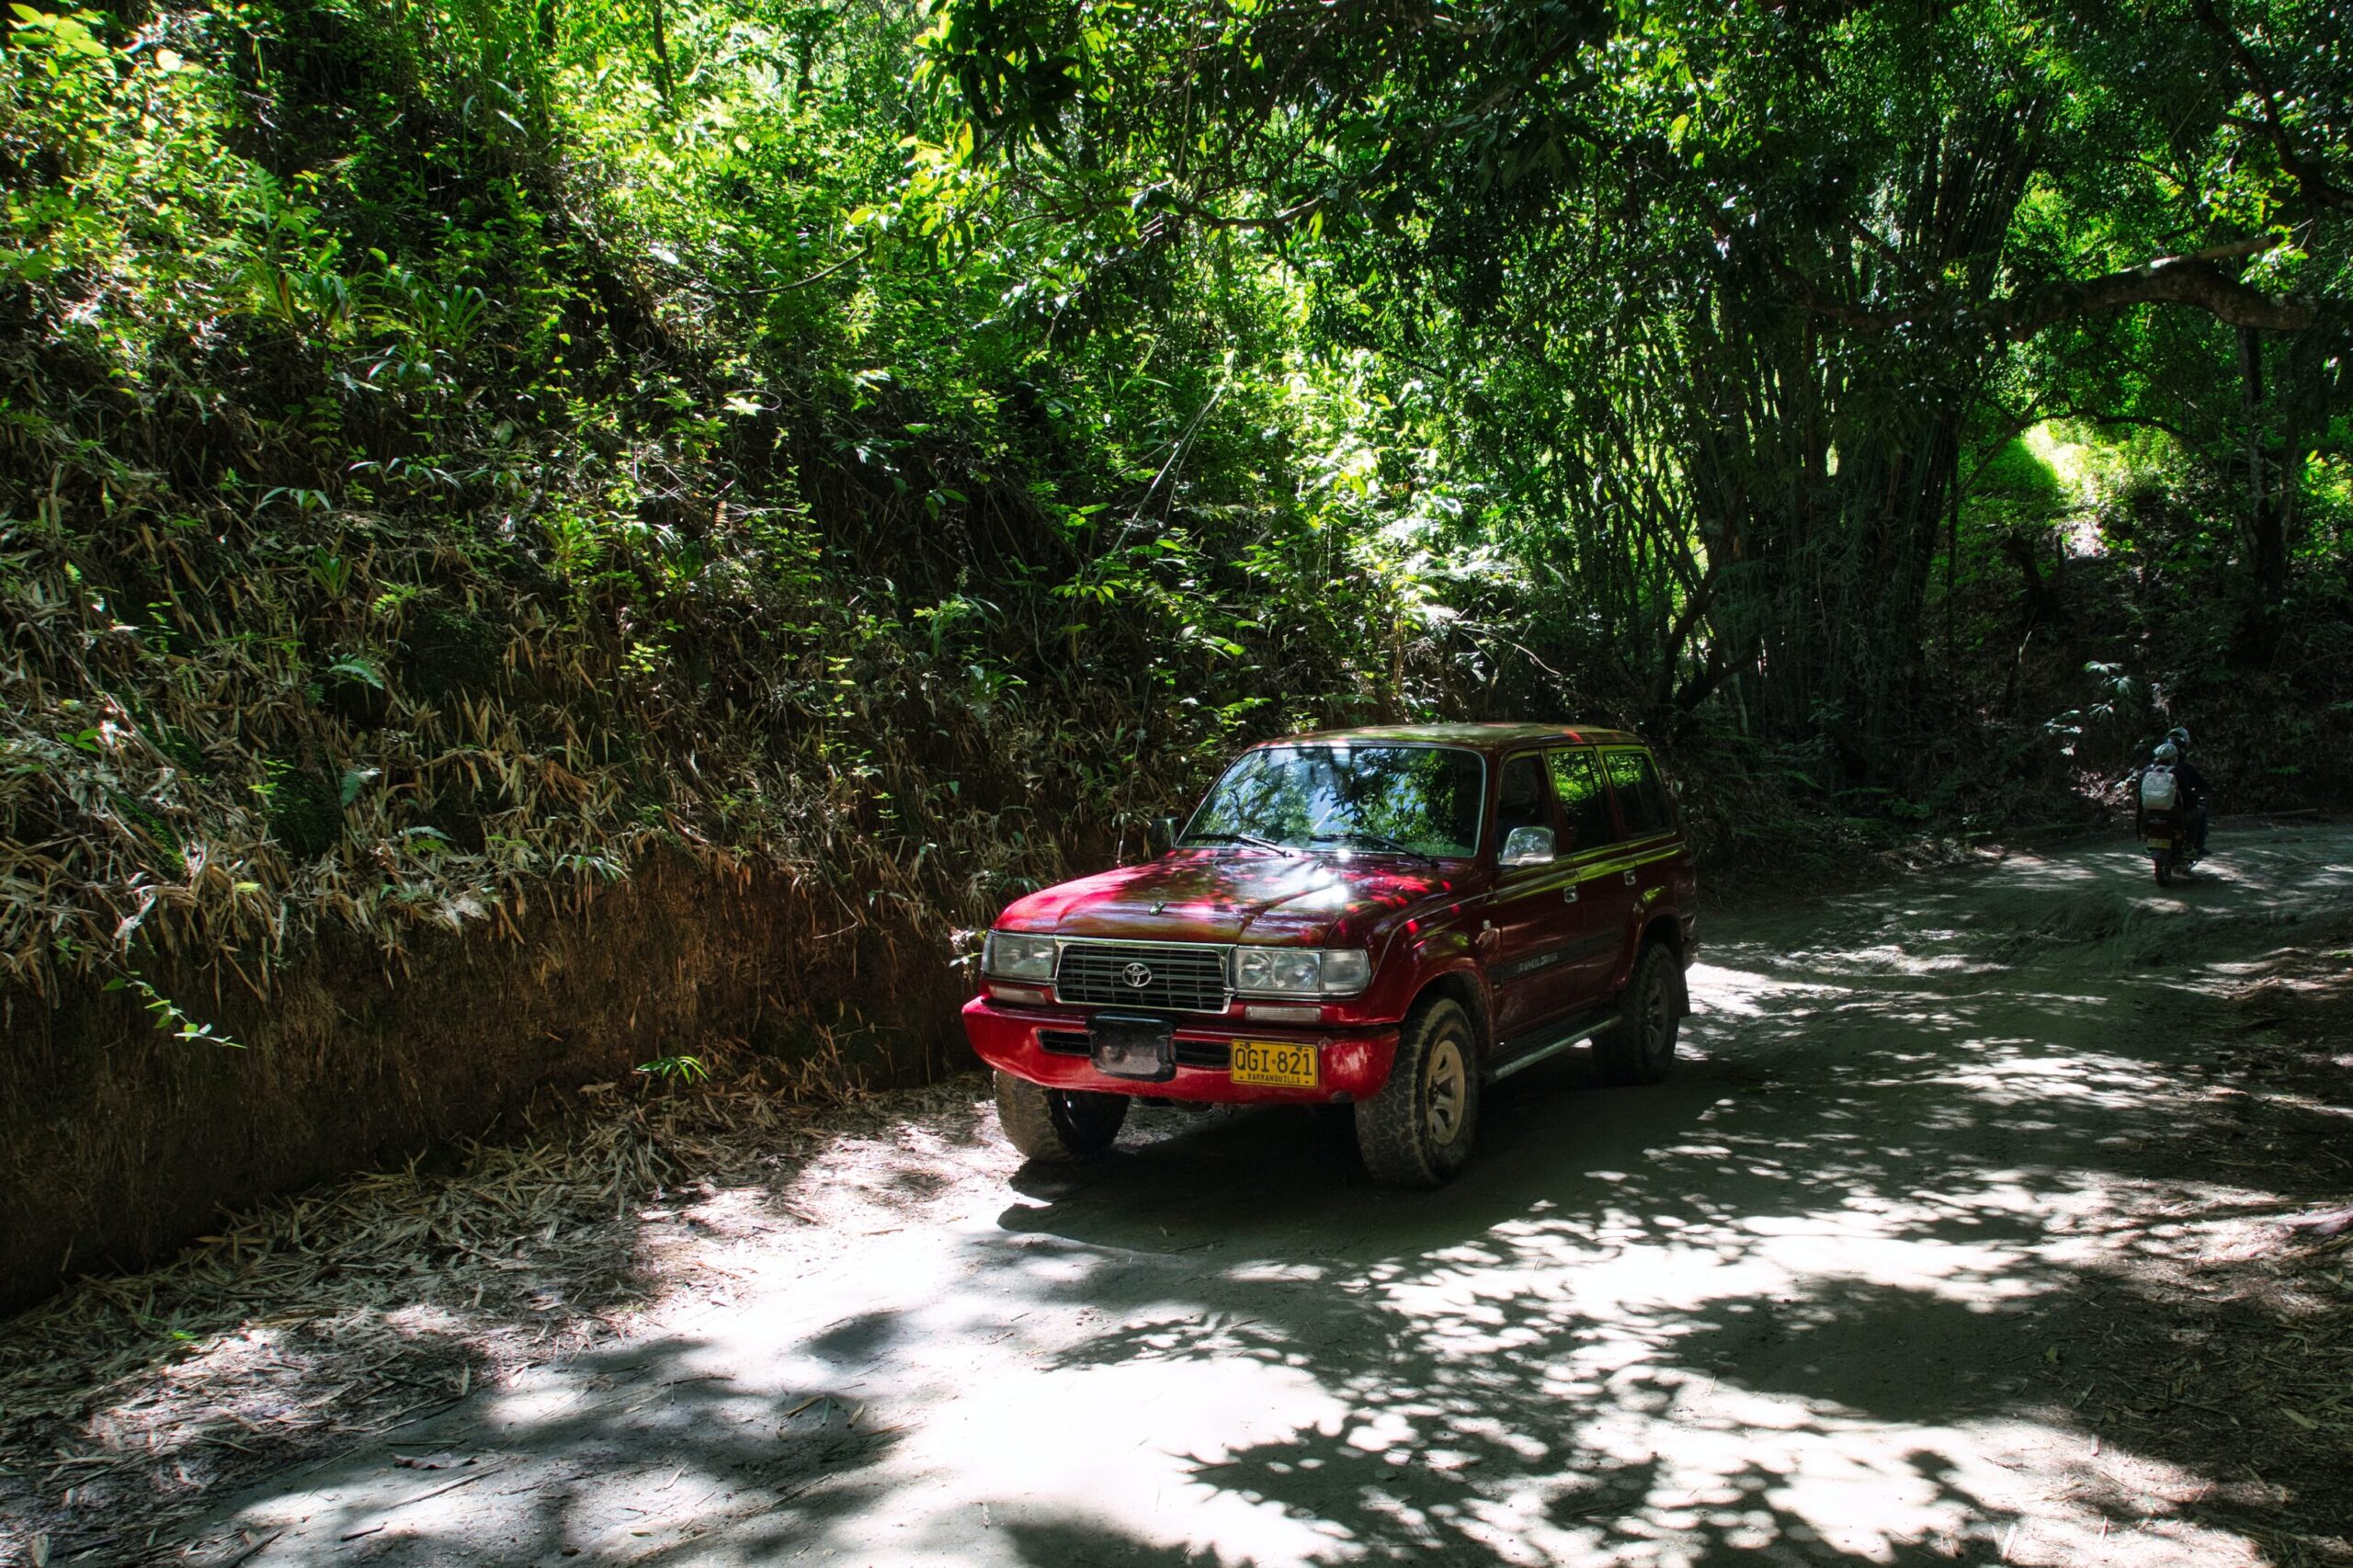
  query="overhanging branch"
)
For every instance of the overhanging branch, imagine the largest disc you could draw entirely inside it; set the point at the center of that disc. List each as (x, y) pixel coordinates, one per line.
(2311, 179)
(2196, 279)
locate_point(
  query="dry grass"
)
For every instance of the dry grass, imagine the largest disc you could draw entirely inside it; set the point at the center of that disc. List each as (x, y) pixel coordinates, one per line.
(189, 780)
(316, 1320)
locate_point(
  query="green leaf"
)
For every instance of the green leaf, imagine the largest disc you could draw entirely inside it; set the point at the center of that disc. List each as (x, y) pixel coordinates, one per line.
(354, 667)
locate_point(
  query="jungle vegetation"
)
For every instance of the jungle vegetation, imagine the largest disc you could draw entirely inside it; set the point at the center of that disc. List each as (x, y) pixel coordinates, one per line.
(449, 449)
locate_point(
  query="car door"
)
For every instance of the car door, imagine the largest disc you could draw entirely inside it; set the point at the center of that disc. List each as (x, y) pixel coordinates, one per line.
(1645, 864)
(1532, 919)
(1604, 901)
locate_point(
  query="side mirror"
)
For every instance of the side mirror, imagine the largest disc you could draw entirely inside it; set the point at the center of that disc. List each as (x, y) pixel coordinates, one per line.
(1528, 847)
(1160, 835)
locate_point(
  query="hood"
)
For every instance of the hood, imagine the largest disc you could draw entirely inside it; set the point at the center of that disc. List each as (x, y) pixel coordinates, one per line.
(1196, 895)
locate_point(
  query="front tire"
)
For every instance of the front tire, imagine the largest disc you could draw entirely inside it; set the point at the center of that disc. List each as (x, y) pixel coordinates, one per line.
(1640, 1047)
(1057, 1127)
(1418, 1129)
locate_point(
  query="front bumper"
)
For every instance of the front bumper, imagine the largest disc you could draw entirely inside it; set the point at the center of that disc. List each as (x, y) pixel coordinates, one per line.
(1354, 1062)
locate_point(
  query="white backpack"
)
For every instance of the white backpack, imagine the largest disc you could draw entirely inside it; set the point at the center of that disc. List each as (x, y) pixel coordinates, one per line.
(2157, 791)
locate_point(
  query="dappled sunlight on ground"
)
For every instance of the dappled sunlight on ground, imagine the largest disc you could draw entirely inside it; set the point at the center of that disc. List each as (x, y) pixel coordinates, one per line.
(1830, 1295)
(1735, 992)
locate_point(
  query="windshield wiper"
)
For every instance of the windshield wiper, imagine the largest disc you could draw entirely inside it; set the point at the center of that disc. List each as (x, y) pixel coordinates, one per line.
(1252, 839)
(1378, 841)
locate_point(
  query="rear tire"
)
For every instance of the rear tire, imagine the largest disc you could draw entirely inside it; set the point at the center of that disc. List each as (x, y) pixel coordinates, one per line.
(1057, 1127)
(1418, 1132)
(2164, 871)
(1640, 1047)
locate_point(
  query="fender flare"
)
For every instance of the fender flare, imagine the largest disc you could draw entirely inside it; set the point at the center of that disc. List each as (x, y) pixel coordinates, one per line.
(1458, 971)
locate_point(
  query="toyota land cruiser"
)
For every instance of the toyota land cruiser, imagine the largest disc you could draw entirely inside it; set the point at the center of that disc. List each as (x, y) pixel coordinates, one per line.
(1388, 919)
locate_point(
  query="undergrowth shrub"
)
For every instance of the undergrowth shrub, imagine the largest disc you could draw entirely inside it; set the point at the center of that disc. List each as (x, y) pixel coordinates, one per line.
(438, 471)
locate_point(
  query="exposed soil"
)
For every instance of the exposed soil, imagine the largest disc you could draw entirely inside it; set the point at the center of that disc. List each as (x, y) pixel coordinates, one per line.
(1995, 1215)
(121, 1143)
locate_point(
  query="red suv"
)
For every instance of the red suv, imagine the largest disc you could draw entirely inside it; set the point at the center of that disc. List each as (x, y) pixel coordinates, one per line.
(1385, 918)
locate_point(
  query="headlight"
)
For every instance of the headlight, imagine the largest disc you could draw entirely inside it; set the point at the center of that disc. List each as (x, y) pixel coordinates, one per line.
(1301, 972)
(1011, 955)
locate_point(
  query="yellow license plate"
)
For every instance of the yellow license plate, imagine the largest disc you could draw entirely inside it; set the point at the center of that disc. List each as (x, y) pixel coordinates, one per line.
(2161, 844)
(1274, 1062)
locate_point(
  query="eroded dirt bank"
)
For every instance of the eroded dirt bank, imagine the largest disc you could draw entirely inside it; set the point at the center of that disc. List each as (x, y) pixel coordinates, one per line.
(1961, 1236)
(120, 1143)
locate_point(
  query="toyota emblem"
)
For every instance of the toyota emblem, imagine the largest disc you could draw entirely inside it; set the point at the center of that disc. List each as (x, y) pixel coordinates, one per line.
(1137, 975)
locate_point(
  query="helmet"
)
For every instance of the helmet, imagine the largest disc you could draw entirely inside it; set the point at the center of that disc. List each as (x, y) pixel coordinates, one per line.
(2168, 753)
(2179, 737)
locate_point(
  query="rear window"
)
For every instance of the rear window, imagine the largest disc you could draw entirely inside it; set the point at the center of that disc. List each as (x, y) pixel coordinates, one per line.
(1576, 782)
(1642, 799)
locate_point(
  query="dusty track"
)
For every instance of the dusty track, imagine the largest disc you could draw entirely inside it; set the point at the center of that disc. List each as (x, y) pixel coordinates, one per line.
(1924, 1255)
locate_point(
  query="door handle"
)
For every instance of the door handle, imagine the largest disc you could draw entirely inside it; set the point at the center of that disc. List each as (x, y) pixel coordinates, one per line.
(1569, 893)
(1631, 878)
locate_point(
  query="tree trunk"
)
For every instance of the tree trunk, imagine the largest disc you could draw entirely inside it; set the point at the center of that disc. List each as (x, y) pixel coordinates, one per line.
(663, 81)
(2266, 527)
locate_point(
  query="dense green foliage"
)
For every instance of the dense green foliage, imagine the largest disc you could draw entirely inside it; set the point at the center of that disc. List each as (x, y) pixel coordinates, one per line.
(453, 448)
(1726, 304)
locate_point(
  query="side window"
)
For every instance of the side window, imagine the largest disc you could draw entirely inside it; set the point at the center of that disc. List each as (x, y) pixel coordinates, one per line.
(1641, 797)
(1585, 804)
(1520, 797)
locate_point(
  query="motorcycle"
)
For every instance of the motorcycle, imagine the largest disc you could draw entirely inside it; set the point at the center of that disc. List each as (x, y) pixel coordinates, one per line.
(2169, 838)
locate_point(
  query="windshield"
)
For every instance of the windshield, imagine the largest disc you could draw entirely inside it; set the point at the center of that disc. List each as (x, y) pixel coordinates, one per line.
(1418, 800)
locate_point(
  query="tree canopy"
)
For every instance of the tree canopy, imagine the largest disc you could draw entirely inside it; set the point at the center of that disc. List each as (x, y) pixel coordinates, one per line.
(466, 443)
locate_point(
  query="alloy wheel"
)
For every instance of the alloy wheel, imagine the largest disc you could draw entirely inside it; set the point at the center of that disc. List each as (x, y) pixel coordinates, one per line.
(1658, 1017)
(1447, 1084)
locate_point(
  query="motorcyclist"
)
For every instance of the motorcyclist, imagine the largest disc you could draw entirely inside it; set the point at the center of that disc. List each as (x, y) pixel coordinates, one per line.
(2173, 752)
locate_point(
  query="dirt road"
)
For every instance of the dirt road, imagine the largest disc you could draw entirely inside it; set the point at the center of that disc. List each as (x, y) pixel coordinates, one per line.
(1898, 1266)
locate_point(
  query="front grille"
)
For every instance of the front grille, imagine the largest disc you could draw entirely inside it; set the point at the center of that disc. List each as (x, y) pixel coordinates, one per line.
(1214, 1053)
(1180, 979)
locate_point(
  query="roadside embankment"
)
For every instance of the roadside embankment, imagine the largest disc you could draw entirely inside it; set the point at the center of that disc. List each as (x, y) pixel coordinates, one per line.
(119, 1142)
